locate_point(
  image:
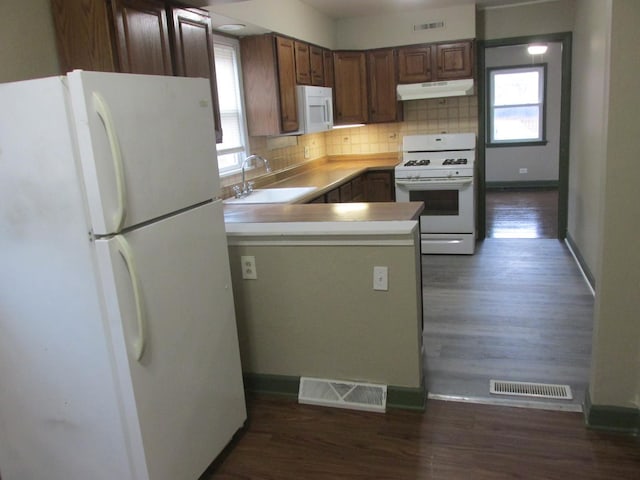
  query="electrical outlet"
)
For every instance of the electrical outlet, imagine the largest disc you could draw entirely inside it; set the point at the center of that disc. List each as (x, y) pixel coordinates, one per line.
(307, 151)
(248, 264)
(524, 170)
(381, 278)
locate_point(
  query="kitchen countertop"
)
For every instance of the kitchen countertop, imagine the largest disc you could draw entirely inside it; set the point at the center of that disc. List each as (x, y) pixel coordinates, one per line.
(325, 177)
(323, 212)
(329, 175)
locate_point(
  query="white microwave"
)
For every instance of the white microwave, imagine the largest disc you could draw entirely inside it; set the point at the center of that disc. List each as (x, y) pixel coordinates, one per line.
(315, 109)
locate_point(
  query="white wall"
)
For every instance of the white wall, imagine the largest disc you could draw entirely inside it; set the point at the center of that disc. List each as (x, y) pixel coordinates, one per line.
(288, 17)
(388, 30)
(27, 40)
(525, 20)
(503, 164)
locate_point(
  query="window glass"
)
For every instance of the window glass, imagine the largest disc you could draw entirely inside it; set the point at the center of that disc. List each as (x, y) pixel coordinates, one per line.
(234, 146)
(517, 104)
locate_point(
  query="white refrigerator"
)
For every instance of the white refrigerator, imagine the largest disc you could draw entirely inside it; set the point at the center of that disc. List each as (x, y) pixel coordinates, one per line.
(119, 354)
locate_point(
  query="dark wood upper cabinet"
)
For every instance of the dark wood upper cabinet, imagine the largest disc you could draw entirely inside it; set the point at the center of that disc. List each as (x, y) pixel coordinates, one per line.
(328, 67)
(193, 47)
(269, 77)
(433, 62)
(142, 37)
(415, 64)
(454, 60)
(302, 62)
(287, 79)
(316, 60)
(383, 103)
(84, 35)
(350, 73)
(136, 36)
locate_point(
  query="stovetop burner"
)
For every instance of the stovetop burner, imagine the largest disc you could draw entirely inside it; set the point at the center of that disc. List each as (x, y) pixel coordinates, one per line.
(419, 163)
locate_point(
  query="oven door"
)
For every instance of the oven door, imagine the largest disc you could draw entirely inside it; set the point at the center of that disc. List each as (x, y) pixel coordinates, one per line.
(448, 203)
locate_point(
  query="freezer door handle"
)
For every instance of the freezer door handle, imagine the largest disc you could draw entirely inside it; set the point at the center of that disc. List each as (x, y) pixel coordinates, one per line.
(103, 111)
(127, 255)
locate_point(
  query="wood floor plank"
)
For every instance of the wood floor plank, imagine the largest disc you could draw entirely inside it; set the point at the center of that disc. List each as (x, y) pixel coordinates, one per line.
(517, 310)
(522, 213)
(450, 441)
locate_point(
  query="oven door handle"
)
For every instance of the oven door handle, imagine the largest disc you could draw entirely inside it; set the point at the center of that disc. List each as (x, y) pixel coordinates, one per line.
(435, 183)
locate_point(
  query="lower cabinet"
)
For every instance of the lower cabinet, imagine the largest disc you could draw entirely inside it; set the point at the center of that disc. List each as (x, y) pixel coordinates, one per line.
(380, 186)
(374, 186)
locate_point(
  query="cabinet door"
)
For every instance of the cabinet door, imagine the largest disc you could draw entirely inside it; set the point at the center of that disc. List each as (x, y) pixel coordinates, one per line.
(333, 196)
(454, 60)
(142, 37)
(383, 104)
(194, 52)
(357, 189)
(303, 66)
(380, 187)
(350, 87)
(287, 84)
(328, 68)
(316, 59)
(346, 193)
(80, 46)
(415, 64)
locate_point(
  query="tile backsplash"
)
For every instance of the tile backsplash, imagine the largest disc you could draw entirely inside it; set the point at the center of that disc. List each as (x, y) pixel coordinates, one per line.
(440, 115)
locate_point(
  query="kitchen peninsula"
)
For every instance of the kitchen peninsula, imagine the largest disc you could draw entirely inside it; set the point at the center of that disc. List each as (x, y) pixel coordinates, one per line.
(312, 309)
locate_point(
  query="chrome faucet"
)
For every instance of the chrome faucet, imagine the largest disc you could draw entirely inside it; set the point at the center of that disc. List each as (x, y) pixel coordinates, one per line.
(247, 187)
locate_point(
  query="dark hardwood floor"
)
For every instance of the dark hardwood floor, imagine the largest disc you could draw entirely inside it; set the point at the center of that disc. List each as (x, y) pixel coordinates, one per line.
(522, 213)
(450, 441)
(517, 310)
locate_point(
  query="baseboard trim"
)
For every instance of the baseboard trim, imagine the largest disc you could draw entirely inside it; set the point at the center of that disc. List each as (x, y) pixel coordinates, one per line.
(403, 398)
(521, 184)
(284, 385)
(577, 255)
(611, 418)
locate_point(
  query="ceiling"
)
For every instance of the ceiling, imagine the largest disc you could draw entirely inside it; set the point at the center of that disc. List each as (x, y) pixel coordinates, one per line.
(355, 8)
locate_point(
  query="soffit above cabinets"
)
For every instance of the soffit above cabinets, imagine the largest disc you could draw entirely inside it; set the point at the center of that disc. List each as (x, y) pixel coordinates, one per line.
(338, 9)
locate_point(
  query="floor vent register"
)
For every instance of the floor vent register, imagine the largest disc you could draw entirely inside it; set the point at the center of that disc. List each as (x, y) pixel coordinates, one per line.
(527, 389)
(342, 394)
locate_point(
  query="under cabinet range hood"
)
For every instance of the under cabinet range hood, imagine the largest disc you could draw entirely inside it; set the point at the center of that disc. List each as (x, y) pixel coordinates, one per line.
(451, 88)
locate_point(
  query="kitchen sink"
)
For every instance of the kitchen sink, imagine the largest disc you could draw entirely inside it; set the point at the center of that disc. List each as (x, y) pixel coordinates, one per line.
(272, 195)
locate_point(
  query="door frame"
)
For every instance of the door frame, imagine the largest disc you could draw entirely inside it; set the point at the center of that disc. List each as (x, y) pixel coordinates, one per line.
(565, 38)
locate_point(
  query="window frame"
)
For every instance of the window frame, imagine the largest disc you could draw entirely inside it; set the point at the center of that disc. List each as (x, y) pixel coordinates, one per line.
(246, 148)
(491, 109)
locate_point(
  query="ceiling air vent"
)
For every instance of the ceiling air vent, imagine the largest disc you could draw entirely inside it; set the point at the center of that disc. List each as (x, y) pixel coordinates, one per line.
(429, 26)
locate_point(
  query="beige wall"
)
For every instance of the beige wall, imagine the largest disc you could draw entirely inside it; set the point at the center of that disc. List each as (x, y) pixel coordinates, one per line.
(589, 110)
(313, 312)
(27, 40)
(616, 357)
(536, 18)
(389, 30)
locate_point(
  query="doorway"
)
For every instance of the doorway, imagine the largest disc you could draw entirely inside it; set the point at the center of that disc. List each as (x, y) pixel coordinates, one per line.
(522, 168)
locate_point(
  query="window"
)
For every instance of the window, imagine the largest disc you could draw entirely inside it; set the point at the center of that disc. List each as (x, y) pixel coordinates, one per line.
(516, 105)
(234, 147)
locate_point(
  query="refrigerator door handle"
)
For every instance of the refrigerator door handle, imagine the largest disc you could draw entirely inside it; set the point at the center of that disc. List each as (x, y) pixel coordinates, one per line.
(103, 111)
(127, 255)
